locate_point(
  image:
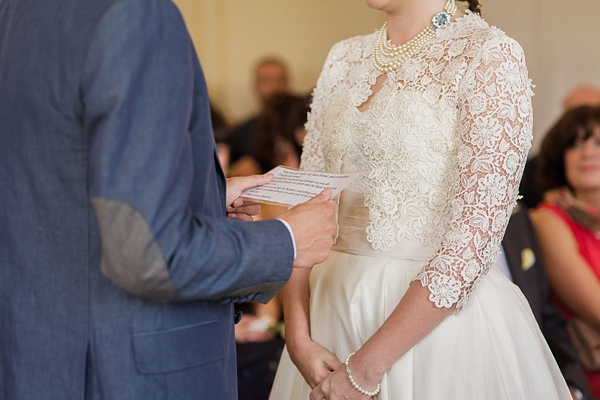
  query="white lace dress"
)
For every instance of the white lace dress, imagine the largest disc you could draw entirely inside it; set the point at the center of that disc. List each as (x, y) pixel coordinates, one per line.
(442, 148)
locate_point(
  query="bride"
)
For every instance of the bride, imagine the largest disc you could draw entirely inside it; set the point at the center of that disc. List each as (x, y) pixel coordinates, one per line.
(436, 113)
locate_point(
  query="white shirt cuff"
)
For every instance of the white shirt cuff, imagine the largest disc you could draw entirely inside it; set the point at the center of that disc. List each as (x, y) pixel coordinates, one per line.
(289, 228)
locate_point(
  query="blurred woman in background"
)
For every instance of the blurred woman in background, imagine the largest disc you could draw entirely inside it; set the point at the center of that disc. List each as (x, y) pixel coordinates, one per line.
(278, 135)
(568, 221)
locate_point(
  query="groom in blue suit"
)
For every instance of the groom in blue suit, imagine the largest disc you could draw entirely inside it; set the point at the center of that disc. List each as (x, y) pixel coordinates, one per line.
(118, 268)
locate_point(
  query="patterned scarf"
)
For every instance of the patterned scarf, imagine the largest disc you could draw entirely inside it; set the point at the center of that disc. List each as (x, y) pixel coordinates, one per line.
(583, 214)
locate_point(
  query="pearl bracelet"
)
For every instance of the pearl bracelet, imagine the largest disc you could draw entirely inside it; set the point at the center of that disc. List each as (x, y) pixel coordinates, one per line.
(353, 382)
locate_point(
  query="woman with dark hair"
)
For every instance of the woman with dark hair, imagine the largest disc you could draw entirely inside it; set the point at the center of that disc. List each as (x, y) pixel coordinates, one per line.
(221, 132)
(277, 135)
(435, 111)
(568, 221)
(276, 131)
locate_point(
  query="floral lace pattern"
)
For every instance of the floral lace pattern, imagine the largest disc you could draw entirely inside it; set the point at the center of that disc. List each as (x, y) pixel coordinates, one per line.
(441, 147)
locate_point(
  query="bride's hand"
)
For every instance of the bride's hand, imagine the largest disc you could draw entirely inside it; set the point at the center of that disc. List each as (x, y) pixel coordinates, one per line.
(313, 361)
(336, 386)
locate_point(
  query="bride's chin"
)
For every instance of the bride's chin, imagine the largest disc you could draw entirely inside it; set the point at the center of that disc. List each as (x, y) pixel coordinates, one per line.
(377, 4)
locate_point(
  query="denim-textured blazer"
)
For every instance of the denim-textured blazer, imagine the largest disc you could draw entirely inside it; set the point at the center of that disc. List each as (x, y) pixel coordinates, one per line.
(118, 270)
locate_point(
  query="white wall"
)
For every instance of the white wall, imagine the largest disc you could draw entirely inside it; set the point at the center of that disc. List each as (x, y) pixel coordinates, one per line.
(561, 41)
(232, 35)
(562, 45)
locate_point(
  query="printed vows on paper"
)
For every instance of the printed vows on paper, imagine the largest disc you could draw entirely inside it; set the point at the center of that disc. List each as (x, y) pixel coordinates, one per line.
(292, 187)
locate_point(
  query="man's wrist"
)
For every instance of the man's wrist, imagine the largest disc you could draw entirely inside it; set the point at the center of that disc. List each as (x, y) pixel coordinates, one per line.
(289, 228)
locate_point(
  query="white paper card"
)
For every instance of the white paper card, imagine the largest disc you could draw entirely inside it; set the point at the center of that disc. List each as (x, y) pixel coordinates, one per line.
(291, 187)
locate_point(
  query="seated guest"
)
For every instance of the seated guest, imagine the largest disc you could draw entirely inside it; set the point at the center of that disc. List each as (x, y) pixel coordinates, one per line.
(567, 223)
(521, 262)
(259, 343)
(277, 136)
(270, 77)
(221, 132)
(582, 95)
(277, 131)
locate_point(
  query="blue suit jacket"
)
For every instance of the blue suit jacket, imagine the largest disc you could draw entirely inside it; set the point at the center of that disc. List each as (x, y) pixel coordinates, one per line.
(117, 269)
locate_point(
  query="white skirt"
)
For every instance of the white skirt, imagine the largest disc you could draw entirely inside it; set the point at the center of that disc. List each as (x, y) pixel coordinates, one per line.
(493, 349)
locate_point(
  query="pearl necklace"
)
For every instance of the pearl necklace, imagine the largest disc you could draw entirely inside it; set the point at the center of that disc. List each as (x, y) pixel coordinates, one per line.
(388, 57)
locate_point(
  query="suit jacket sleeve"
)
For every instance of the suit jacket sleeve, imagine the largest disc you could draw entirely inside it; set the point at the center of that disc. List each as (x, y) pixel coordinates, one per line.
(152, 155)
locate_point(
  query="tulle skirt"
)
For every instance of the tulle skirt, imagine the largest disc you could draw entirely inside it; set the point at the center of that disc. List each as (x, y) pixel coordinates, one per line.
(492, 349)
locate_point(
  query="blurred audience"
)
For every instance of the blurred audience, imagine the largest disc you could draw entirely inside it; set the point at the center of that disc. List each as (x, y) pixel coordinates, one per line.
(280, 131)
(579, 96)
(272, 137)
(270, 77)
(278, 135)
(221, 132)
(522, 262)
(259, 343)
(567, 223)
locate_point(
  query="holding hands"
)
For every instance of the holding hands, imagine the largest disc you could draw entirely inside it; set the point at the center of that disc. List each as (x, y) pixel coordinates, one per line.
(337, 386)
(313, 361)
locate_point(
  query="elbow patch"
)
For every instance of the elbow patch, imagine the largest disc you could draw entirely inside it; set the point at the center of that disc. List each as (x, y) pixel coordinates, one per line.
(131, 258)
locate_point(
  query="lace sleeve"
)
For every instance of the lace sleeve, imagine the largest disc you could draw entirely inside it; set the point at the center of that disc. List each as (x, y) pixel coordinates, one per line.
(312, 150)
(496, 132)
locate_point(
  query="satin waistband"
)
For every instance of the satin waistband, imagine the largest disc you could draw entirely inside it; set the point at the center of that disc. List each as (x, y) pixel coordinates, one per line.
(353, 219)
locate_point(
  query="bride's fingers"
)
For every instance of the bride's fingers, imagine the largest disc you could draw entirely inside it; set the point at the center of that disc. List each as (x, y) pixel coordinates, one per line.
(317, 394)
(332, 362)
(321, 372)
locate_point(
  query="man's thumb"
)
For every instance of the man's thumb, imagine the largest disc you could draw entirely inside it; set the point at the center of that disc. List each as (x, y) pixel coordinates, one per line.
(322, 197)
(256, 180)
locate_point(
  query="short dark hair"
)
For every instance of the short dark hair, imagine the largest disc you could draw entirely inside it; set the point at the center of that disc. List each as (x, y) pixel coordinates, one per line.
(220, 127)
(270, 60)
(474, 5)
(574, 124)
(283, 114)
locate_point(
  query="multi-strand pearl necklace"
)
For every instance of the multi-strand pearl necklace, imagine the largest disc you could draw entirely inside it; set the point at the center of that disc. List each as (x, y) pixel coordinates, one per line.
(388, 57)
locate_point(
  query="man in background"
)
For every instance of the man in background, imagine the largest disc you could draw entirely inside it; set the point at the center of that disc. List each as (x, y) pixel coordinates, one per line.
(270, 77)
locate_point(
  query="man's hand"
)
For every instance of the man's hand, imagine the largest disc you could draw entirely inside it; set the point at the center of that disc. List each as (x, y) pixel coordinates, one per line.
(237, 207)
(313, 226)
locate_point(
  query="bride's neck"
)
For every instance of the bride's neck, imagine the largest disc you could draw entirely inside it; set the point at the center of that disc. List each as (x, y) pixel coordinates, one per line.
(409, 17)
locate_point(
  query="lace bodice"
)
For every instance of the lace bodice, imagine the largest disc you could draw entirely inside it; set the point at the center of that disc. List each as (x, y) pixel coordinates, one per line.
(441, 147)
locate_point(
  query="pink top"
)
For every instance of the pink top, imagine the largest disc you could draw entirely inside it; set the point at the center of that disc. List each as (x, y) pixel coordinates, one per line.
(588, 241)
(589, 248)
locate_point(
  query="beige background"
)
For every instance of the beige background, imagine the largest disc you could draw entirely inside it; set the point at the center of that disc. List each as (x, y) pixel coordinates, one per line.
(561, 41)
